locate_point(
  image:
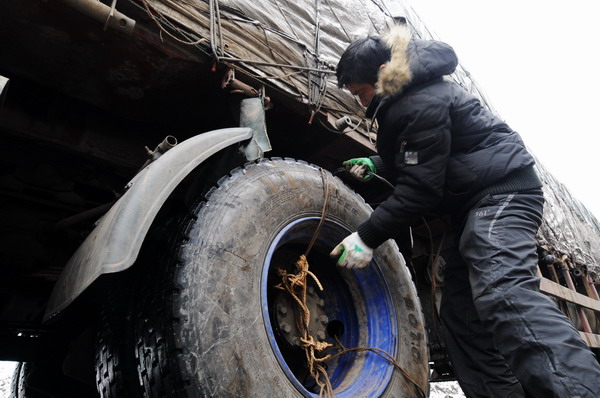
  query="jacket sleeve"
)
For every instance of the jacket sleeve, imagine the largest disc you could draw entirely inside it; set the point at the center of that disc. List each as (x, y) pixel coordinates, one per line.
(420, 158)
(379, 165)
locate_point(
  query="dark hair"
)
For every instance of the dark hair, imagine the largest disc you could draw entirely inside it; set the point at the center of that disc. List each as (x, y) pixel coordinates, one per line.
(361, 61)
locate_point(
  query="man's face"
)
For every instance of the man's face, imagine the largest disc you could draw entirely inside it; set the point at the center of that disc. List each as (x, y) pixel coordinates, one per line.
(364, 91)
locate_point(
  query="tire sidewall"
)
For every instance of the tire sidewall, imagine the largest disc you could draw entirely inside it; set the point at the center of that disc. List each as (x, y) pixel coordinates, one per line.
(226, 348)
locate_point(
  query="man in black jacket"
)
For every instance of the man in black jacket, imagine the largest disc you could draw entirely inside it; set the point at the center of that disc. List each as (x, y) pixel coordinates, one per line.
(447, 154)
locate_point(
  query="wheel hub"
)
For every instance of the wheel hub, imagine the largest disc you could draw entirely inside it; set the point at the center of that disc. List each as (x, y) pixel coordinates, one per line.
(286, 313)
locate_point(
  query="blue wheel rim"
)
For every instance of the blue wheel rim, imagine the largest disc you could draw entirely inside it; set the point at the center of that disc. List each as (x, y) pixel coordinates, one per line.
(361, 302)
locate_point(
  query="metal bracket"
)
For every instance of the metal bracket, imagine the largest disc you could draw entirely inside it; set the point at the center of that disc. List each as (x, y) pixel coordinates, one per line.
(252, 115)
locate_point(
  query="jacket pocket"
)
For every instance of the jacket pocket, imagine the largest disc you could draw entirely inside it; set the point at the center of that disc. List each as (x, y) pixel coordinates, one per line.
(412, 149)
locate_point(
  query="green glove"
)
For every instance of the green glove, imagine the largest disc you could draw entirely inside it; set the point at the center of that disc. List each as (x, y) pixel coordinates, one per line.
(360, 168)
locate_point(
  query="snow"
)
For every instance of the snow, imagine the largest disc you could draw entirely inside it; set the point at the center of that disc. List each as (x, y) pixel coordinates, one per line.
(6, 373)
(446, 389)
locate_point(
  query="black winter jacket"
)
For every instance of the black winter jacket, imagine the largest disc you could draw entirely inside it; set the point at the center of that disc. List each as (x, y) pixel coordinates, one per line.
(439, 146)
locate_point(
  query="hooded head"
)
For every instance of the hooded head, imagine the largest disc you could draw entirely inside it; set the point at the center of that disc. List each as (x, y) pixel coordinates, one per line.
(395, 61)
(361, 61)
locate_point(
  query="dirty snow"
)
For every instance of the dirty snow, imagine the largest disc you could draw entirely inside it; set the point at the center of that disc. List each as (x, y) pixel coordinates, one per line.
(446, 389)
(6, 373)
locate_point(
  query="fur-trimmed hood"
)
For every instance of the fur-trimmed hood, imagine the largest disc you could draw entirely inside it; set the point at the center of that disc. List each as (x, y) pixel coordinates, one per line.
(413, 61)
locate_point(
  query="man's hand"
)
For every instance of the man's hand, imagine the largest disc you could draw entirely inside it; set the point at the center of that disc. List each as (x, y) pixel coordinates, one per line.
(360, 168)
(352, 252)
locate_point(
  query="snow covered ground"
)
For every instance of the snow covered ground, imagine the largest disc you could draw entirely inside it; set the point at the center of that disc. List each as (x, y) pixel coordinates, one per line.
(6, 373)
(446, 389)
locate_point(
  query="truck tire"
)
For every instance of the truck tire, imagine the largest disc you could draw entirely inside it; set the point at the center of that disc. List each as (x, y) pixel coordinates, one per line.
(212, 323)
(116, 374)
(17, 387)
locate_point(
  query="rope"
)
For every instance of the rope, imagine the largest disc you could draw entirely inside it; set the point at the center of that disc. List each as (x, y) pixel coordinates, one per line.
(316, 351)
(111, 14)
(213, 45)
(338, 21)
(215, 23)
(268, 43)
(273, 77)
(317, 81)
(295, 285)
(433, 258)
(286, 20)
(323, 212)
(160, 18)
(373, 23)
(296, 67)
(382, 353)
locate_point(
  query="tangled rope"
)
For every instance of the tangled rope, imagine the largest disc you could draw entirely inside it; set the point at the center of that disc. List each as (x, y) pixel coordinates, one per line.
(316, 351)
(295, 285)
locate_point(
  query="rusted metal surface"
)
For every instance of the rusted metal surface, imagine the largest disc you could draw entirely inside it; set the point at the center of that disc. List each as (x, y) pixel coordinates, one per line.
(166, 144)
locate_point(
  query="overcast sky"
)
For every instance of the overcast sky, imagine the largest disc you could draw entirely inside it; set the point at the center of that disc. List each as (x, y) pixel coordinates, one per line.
(538, 62)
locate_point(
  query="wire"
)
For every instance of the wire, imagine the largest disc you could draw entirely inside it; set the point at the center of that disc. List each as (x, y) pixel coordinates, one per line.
(381, 179)
(160, 19)
(111, 14)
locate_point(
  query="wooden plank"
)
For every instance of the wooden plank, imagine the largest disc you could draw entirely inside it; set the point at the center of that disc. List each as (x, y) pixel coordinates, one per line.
(561, 292)
(591, 339)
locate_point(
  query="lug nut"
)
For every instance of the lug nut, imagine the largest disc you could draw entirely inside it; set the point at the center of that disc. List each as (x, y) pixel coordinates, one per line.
(321, 335)
(282, 309)
(324, 319)
(286, 327)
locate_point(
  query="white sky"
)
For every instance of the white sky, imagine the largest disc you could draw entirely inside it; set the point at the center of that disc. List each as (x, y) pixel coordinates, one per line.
(538, 63)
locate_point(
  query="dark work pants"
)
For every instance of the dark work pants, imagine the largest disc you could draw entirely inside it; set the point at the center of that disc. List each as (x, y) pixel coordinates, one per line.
(503, 335)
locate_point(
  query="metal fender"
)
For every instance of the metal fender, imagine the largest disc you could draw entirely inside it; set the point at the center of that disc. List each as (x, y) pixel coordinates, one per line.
(114, 244)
